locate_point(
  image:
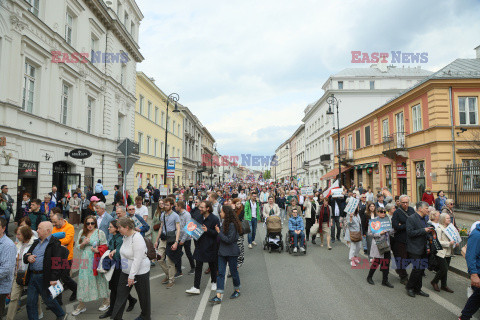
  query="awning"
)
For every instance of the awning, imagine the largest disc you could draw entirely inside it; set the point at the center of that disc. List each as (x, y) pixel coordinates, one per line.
(366, 165)
(333, 173)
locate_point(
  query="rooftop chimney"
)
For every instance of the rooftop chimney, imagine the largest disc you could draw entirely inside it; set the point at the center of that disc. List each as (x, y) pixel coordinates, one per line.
(477, 49)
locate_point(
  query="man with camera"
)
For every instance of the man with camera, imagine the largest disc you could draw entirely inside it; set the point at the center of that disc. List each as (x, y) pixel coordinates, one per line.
(417, 233)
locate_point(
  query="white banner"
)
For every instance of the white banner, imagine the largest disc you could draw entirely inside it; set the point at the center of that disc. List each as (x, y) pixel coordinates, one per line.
(333, 186)
(307, 191)
(452, 233)
(352, 205)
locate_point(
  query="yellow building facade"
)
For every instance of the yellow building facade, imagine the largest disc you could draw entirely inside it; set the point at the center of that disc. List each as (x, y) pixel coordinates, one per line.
(150, 123)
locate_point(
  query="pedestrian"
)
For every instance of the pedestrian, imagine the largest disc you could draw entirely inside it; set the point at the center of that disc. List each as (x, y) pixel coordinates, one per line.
(428, 197)
(380, 201)
(296, 229)
(117, 197)
(99, 191)
(84, 203)
(270, 208)
(293, 205)
(91, 287)
(472, 257)
(228, 252)
(399, 224)
(25, 239)
(47, 205)
(252, 213)
(74, 214)
(41, 272)
(381, 260)
(370, 213)
(134, 252)
(238, 207)
(140, 209)
(444, 256)
(103, 219)
(338, 206)
(35, 215)
(353, 235)
(156, 199)
(417, 231)
(281, 201)
(25, 207)
(387, 195)
(7, 263)
(167, 242)
(324, 221)
(65, 205)
(61, 225)
(185, 240)
(369, 195)
(140, 224)
(312, 209)
(156, 220)
(206, 248)
(440, 201)
(114, 245)
(449, 208)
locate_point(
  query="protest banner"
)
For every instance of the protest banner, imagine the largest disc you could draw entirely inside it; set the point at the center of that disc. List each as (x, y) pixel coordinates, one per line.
(376, 225)
(194, 229)
(352, 205)
(452, 233)
(306, 191)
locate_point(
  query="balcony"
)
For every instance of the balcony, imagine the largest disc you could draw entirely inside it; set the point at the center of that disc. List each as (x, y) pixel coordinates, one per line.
(395, 145)
(305, 165)
(325, 158)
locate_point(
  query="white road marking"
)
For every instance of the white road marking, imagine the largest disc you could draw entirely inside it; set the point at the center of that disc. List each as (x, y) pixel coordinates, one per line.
(216, 308)
(203, 302)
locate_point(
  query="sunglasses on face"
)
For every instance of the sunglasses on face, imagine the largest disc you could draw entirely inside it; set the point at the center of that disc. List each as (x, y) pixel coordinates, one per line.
(382, 211)
(90, 223)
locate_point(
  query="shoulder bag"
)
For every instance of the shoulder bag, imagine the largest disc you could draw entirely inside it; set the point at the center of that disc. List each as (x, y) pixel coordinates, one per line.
(169, 236)
(21, 277)
(245, 228)
(382, 245)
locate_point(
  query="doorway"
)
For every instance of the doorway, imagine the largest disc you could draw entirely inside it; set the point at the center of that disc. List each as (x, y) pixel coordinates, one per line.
(420, 179)
(402, 186)
(63, 178)
(27, 180)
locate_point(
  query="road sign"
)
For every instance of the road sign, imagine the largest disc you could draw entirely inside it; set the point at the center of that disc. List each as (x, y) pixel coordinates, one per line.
(128, 147)
(129, 164)
(171, 168)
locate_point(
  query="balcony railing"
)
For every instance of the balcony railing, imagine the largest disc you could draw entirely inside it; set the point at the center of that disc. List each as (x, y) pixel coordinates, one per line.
(325, 158)
(346, 154)
(395, 141)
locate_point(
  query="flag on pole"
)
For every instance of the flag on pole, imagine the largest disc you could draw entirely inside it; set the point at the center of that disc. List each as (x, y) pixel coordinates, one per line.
(328, 192)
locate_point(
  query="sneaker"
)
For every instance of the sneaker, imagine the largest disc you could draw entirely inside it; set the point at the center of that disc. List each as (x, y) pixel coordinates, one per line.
(40, 316)
(250, 246)
(77, 311)
(178, 275)
(295, 250)
(215, 300)
(170, 284)
(152, 264)
(192, 271)
(353, 263)
(302, 249)
(104, 307)
(214, 286)
(193, 290)
(165, 280)
(357, 259)
(235, 294)
(254, 243)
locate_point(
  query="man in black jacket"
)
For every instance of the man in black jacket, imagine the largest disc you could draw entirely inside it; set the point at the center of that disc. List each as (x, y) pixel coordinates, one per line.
(417, 232)
(338, 206)
(399, 224)
(56, 196)
(45, 269)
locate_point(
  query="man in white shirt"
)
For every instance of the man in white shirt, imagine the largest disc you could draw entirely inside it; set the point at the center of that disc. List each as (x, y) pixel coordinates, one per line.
(140, 209)
(242, 196)
(216, 206)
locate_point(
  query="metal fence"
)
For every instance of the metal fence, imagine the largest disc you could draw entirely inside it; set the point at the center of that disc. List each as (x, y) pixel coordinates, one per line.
(464, 186)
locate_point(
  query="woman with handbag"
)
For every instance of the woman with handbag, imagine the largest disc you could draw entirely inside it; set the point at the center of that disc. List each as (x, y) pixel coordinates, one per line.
(238, 208)
(370, 213)
(380, 250)
(25, 240)
(353, 234)
(443, 256)
(324, 223)
(114, 245)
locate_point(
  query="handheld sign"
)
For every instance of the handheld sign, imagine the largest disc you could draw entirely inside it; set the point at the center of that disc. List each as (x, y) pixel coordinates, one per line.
(306, 191)
(376, 225)
(352, 205)
(194, 229)
(452, 233)
(337, 193)
(56, 289)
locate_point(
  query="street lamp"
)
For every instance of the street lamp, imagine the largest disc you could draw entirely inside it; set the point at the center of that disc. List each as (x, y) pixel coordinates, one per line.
(332, 101)
(291, 160)
(174, 98)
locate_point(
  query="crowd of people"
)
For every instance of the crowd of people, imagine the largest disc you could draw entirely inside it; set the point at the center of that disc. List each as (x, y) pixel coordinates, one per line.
(116, 250)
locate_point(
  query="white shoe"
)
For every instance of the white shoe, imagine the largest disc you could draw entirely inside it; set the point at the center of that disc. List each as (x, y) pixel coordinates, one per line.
(104, 307)
(77, 311)
(302, 249)
(295, 250)
(214, 286)
(40, 316)
(193, 290)
(250, 246)
(254, 243)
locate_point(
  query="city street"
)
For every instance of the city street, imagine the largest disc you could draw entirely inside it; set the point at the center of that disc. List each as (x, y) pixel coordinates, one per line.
(318, 285)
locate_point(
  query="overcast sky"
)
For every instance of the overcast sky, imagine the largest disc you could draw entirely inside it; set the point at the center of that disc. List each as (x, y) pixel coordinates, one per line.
(248, 68)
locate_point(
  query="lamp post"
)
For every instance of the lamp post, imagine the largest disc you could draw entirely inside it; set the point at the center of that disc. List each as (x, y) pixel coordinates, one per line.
(332, 101)
(174, 98)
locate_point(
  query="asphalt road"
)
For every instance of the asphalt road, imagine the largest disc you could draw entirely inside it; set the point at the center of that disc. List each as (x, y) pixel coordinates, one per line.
(318, 285)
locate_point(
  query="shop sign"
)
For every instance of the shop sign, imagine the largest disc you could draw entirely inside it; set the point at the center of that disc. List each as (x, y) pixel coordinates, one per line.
(27, 169)
(401, 170)
(80, 153)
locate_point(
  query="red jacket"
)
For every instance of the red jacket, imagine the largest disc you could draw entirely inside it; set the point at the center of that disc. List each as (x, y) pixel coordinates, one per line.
(97, 256)
(428, 198)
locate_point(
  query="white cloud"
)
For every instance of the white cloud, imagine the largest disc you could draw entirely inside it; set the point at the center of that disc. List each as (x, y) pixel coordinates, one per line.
(248, 66)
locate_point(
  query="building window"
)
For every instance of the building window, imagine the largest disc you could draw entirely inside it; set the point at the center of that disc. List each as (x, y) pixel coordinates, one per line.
(132, 28)
(141, 105)
(93, 43)
(467, 107)
(163, 119)
(357, 139)
(168, 123)
(178, 131)
(65, 96)
(155, 147)
(68, 28)
(125, 19)
(149, 139)
(149, 110)
(367, 136)
(156, 115)
(140, 142)
(386, 132)
(123, 70)
(173, 127)
(173, 151)
(372, 85)
(471, 174)
(162, 149)
(34, 6)
(28, 87)
(89, 115)
(350, 142)
(178, 153)
(343, 143)
(417, 118)
(340, 85)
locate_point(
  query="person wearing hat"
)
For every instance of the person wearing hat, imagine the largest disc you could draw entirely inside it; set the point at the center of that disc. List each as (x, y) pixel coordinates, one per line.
(428, 197)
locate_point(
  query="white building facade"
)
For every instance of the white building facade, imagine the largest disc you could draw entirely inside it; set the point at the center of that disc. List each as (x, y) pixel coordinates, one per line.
(358, 92)
(53, 101)
(192, 142)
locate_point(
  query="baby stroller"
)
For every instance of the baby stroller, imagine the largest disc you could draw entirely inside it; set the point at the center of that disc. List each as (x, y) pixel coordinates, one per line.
(273, 239)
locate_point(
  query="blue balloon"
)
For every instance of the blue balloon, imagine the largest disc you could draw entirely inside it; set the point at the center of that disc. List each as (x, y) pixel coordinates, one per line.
(105, 192)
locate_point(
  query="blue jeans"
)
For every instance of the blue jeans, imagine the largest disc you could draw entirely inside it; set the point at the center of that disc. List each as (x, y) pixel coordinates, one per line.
(253, 230)
(295, 238)
(35, 288)
(222, 267)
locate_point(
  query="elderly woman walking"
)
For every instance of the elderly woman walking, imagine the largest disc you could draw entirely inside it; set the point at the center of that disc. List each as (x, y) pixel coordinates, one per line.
(443, 256)
(353, 234)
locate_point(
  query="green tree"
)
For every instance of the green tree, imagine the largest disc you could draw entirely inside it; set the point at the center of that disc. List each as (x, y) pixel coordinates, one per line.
(266, 174)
